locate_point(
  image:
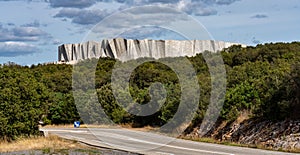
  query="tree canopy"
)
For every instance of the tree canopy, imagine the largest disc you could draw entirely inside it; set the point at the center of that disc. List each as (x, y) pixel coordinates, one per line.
(263, 80)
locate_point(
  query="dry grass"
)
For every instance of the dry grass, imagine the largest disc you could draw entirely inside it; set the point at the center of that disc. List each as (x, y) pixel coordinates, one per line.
(214, 141)
(39, 143)
(243, 116)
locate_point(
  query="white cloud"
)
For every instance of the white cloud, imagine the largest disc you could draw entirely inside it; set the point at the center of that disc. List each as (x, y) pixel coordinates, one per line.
(194, 7)
(31, 34)
(12, 49)
(73, 9)
(28, 31)
(35, 23)
(82, 17)
(128, 23)
(260, 16)
(71, 3)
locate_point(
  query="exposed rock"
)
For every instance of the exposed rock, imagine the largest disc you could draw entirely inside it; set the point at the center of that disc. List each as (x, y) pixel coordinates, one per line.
(127, 49)
(284, 135)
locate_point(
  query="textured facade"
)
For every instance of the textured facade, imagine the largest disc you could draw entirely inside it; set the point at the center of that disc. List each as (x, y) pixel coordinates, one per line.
(127, 49)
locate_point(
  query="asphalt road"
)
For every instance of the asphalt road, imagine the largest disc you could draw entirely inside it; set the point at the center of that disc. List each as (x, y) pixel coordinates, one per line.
(150, 143)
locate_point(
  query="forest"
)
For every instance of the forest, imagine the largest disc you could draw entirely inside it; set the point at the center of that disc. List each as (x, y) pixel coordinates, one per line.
(263, 80)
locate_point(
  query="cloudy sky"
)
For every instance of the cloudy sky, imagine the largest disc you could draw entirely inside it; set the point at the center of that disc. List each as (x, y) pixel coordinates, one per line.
(31, 30)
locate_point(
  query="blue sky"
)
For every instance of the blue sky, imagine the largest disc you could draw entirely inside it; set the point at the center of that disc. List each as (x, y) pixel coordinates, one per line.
(31, 30)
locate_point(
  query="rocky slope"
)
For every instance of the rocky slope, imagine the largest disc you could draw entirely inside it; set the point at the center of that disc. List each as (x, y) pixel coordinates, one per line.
(127, 49)
(283, 135)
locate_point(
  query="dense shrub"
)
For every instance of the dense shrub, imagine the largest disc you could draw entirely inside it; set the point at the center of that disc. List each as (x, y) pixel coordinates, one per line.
(263, 80)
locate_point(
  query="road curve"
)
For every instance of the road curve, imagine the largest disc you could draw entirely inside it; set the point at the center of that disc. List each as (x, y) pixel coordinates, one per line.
(150, 143)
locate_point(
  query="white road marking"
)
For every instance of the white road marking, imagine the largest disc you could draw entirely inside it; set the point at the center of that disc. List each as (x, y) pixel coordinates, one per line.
(164, 153)
(178, 147)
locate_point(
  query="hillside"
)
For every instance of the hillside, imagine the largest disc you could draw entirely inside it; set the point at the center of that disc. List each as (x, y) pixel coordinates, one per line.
(262, 85)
